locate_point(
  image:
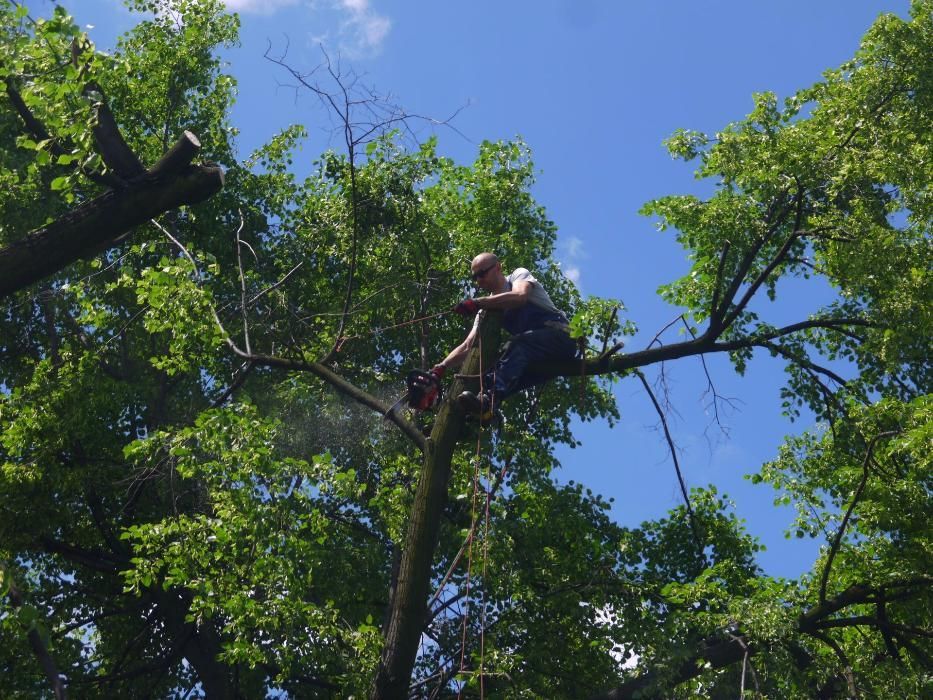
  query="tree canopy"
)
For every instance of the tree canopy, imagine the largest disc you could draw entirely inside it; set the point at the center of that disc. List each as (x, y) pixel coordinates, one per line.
(202, 493)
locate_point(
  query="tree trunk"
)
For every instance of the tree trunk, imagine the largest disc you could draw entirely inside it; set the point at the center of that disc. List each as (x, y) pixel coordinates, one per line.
(200, 644)
(409, 604)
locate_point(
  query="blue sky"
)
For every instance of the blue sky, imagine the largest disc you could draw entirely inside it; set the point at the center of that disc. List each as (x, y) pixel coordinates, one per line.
(593, 87)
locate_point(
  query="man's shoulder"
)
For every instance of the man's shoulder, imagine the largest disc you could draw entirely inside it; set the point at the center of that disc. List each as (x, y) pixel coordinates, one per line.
(521, 274)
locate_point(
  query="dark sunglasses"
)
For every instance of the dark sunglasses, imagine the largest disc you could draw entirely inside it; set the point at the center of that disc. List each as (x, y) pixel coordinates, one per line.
(478, 275)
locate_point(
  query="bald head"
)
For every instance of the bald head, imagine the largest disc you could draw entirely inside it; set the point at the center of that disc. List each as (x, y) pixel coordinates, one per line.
(487, 272)
(483, 260)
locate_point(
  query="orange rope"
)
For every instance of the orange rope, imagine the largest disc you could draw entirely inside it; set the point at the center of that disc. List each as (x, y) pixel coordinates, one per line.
(482, 621)
(482, 624)
(470, 537)
(466, 615)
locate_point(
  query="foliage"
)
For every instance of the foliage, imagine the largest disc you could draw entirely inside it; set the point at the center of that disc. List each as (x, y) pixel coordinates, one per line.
(196, 495)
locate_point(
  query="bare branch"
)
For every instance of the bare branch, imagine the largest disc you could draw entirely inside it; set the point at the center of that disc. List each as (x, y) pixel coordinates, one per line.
(277, 284)
(95, 560)
(711, 388)
(680, 477)
(746, 662)
(657, 336)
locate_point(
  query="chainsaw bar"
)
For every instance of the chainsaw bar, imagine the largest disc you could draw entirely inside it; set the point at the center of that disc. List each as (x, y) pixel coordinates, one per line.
(395, 406)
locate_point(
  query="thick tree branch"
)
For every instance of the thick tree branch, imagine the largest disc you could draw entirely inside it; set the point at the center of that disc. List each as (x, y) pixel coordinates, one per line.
(703, 344)
(39, 132)
(92, 559)
(201, 644)
(834, 324)
(136, 196)
(177, 157)
(843, 659)
(97, 223)
(111, 145)
(39, 648)
(867, 621)
(717, 654)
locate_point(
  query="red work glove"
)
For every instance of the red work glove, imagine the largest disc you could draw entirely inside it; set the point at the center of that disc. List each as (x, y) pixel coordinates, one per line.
(439, 370)
(467, 307)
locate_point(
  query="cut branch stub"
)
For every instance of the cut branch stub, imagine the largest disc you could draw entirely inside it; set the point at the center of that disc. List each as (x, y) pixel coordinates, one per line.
(178, 156)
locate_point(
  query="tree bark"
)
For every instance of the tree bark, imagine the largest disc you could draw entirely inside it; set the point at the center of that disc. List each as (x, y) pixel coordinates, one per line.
(408, 606)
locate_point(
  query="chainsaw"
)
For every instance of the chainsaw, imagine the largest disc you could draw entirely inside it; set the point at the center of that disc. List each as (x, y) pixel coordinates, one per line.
(423, 391)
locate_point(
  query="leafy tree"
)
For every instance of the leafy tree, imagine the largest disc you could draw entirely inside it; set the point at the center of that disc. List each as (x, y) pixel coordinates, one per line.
(58, 112)
(200, 494)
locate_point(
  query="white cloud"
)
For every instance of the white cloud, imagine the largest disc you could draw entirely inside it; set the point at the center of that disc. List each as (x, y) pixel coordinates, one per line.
(363, 30)
(571, 251)
(356, 29)
(263, 7)
(574, 247)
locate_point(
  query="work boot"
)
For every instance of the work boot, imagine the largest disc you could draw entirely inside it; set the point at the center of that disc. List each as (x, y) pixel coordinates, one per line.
(482, 406)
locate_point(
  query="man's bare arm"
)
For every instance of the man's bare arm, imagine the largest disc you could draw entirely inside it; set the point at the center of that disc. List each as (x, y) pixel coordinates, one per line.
(507, 300)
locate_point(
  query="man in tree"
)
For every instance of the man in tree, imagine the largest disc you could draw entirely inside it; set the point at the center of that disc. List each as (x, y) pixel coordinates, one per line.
(540, 331)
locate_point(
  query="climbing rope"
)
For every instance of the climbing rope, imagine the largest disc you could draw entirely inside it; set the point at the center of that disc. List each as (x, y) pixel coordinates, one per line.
(482, 621)
(468, 543)
(476, 470)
